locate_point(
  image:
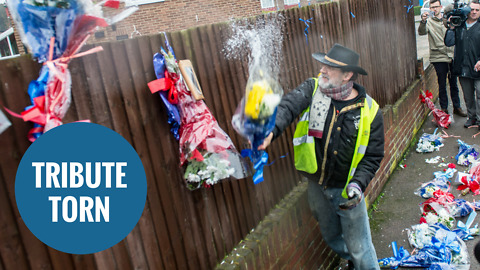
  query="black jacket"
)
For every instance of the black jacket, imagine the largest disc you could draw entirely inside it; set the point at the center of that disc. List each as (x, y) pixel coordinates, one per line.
(343, 134)
(467, 49)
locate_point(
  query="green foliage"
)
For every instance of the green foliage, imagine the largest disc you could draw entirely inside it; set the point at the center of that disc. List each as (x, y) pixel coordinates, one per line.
(416, 10)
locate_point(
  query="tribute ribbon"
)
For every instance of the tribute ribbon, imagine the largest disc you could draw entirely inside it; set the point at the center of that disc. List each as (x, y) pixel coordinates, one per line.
(162, 83)
(165, 81)
(305, 32)
(465, 227)
(472, 185)
(259, 160)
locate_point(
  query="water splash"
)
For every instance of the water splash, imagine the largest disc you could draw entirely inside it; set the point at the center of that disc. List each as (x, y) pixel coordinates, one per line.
(259, 42)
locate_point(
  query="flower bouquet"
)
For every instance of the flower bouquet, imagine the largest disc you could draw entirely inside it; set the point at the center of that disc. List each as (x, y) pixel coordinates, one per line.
(440, 217)
(254, 118)
(54, 31)
(426, 190)
(206, 152)
(439, 209)
(442, 118)
(467, 154)
(436, 245)
(429, 143)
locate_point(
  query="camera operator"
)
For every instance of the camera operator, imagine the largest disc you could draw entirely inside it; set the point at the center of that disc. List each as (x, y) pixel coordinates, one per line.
(465, 35)
(440, 56)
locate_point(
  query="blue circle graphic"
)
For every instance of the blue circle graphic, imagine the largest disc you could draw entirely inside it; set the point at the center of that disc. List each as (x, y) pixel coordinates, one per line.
(80, 188)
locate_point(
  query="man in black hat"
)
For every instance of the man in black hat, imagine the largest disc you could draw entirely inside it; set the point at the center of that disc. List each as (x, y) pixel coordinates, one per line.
(338, 145)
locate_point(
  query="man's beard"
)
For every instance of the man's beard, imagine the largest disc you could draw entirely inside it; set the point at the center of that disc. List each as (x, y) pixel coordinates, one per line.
(329, 84)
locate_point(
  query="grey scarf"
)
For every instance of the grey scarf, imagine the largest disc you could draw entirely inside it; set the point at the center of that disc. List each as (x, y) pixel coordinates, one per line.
(320, 104)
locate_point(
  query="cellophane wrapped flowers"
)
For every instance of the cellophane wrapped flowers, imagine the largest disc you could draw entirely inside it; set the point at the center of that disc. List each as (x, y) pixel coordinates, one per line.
(207, 153)
(429, 143)
(441, 118)
(254, 118)
(467, 154)
(54, 31)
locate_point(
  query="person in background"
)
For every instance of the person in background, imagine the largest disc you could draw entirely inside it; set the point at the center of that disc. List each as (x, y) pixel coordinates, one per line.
(440, 56)
(466, 60)
(338, 146)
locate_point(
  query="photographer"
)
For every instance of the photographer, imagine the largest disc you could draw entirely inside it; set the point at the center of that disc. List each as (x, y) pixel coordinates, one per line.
(465, 35)
(440, 56)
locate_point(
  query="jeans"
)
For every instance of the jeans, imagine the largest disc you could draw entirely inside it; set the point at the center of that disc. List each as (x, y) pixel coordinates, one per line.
(442, 68)
(347, 232)
(471, 94)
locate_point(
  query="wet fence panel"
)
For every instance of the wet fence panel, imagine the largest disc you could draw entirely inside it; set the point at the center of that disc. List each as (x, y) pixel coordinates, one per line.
(179, 228)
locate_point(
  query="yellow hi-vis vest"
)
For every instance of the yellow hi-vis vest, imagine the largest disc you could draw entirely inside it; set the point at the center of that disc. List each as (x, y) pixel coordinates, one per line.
(304, 145)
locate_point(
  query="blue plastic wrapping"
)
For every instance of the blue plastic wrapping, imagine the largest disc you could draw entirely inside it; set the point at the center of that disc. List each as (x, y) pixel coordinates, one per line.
(255, 132)
(172, 110)
(40, 23)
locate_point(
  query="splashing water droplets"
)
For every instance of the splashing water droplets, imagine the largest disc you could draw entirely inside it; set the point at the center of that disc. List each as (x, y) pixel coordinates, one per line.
(260, 43)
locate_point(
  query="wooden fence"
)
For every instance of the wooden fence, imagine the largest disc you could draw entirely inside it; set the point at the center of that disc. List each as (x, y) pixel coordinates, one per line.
(182, 229)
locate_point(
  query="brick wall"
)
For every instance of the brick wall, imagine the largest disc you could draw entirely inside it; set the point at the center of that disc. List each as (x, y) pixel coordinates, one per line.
(289, 237)
(21, 47)
(174, 15)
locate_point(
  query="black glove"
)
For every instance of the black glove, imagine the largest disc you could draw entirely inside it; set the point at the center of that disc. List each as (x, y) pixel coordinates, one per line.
(355, 195)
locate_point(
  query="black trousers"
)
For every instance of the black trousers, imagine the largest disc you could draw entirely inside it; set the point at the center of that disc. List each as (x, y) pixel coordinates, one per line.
(443, 70)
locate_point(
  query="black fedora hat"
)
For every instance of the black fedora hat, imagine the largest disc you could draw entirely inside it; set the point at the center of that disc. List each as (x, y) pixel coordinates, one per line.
(340, 57)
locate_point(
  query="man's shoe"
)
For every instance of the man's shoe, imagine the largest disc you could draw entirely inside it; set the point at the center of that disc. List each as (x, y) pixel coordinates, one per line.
(470, 122)
(445, 111)
(459, 112)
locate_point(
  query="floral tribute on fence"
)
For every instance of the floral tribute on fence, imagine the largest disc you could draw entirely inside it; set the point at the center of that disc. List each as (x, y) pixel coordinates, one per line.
(439, 238)
(54, 32)
(442, 118)
(207, 153)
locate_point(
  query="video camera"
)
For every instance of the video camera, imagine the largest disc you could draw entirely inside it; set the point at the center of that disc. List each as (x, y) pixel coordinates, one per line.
(457, 15)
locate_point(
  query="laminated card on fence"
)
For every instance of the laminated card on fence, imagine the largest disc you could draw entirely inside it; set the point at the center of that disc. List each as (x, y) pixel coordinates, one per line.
(190, 78)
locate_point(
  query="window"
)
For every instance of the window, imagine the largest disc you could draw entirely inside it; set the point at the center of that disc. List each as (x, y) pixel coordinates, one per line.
(129, 3)
(8, 44)
(267, 3)
(291, 2)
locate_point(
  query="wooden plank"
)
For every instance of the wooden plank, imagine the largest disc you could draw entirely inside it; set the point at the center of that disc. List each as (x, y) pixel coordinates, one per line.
(230, 105)
(12, 254)
(113, 95)
(105, 259)
(60, 260)
(80, 96)
(170, 181)
(100, 113)
(15, 75)
(221, 222)
(110, 83)
(232, 230)
(121, 256)
(146, 223)
(122, 68)
(181, 41)
(84, 261)
(292, 59)
(151, 111)
(235, 90)
(192, 48)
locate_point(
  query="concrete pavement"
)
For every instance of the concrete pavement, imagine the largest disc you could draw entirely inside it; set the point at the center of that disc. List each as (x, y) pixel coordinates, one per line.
(398, 206)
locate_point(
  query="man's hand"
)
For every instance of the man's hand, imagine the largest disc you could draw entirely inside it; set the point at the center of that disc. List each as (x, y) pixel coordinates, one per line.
(424, 17)
(266, 142)
(354, 193)
(477, 66)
